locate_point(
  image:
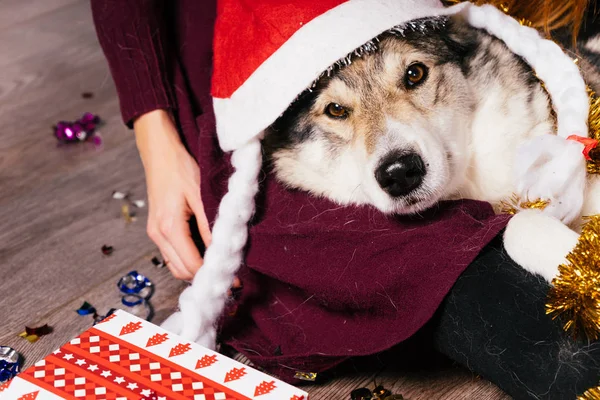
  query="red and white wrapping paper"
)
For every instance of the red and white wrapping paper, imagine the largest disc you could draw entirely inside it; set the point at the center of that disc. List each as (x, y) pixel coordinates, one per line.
(125, 357)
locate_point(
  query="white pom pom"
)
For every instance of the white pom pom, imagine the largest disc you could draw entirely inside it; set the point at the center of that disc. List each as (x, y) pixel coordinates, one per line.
(538, 242)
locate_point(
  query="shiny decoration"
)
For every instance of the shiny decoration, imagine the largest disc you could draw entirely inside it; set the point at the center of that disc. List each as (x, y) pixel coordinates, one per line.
(9, 364)
(136, 290)
(157, 262)
(132, 300)
(593, 165)
(107, 250)
(29, 338)
(119, 195)
(591, 394)
(379, 393)
(126, 212)
(361, 394)
(127, 215)
(78, 130)
(33, 334)
(135, 283)
(86, 309)
(515, 204)
(575, 294)
(137, 305)
(40, 331)
(305, 376)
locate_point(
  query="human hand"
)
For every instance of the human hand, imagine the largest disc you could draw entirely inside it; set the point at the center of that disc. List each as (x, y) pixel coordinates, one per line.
(173, 184)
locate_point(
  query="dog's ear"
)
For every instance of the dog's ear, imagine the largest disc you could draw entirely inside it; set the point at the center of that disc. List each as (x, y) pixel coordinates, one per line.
(460, 37)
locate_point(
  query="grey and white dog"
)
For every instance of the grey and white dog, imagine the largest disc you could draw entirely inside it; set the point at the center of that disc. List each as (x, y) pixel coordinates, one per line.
(435, 112)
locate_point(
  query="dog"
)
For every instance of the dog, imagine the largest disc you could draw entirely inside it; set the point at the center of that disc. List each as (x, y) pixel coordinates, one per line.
(435, 113)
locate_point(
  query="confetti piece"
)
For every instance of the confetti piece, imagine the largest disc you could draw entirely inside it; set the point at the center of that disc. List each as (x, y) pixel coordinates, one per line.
(306, 376)
(86, 309)
(30, 338)
(118, 195)
(127, 214)
(78, 130)
(158, 262)
(139, 203)
(40, 330)
(107, 250)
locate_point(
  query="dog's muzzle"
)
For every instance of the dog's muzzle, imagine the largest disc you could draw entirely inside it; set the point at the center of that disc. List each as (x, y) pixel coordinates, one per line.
(400, 173)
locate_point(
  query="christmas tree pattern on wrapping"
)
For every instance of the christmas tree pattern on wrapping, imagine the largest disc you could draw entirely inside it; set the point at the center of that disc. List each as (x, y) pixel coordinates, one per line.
(157, 339)
(29, 396)
(179, 349)
(235, 374)
(5, 386)
(206, 361)
(111, 316)
(130, 328)
(264, 388)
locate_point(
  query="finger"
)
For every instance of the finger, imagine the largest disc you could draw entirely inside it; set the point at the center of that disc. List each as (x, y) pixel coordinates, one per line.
(174, 263)
(236, 283)
(197, 207)
(180, 239)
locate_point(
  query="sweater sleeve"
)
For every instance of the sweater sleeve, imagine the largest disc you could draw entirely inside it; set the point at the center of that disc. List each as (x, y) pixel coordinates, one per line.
(133, 37)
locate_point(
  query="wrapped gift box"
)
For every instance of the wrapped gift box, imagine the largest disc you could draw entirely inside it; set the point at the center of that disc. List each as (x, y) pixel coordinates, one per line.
(125, 357)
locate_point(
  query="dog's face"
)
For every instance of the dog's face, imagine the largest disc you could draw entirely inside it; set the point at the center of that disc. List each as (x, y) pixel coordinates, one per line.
(387, 130)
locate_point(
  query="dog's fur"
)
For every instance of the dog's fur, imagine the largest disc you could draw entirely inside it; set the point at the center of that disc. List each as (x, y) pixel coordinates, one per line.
(478, 103)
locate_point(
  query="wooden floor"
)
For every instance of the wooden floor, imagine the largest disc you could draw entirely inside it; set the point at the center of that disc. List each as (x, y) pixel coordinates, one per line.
(56, 209)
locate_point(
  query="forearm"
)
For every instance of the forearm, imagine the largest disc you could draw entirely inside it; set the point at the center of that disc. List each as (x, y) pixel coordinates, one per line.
(133, 36)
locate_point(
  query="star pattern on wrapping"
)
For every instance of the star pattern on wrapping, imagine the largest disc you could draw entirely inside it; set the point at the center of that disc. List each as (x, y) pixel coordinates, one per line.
(105, 374)
(146, 392)
(93, 367)
(57, 351)
(80, 362)
(68, 356)
(119, 379)
(132, 386)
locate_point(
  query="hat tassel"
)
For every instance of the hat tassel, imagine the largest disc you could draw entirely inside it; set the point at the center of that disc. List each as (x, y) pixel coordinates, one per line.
(202, 303)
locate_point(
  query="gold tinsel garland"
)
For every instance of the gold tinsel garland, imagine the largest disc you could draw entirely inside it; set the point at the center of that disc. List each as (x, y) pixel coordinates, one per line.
(515, 204)
(592, 394)
(575, 292)
(593, 165)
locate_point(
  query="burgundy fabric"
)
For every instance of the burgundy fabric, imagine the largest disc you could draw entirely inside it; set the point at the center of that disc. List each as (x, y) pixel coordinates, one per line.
(322, 282)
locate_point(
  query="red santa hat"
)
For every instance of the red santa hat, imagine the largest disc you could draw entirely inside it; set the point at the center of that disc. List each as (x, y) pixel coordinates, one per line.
(267, 52)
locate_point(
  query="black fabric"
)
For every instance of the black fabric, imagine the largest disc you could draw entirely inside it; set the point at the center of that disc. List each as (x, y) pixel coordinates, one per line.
(494, 323)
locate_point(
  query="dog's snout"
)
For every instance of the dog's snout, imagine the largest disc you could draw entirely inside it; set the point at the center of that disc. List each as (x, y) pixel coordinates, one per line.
(399, 175)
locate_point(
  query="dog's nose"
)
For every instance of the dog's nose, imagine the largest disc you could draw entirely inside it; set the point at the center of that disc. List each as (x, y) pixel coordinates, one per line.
(399, 175)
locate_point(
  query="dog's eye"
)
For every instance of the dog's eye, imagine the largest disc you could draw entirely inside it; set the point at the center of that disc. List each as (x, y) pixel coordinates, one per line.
(415, 75)
(334, 110)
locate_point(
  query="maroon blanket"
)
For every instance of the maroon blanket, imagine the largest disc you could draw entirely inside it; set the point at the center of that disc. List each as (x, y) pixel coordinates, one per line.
(322, 282)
